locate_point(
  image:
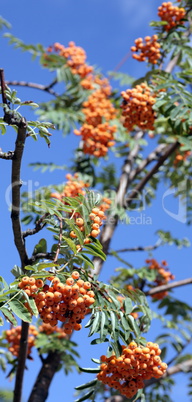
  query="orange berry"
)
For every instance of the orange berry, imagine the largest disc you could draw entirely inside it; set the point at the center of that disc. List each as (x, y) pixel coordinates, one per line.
(70, 281)
(94, 233)
(79, 222)
(73, 235)
(39, 283)
(75, 275)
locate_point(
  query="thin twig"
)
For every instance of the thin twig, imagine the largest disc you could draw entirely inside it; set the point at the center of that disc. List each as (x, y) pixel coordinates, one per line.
(179, 353)
(51, 85)
(41, 256)
(154, 155)
(34, 85)
(168, 286)
(146, 248)
(3, 87)
(38, 226)
(139, 187)
(60, 240)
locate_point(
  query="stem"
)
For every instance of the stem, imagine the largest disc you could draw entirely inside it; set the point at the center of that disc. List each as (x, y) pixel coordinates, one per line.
(59, 241)
(12, 118)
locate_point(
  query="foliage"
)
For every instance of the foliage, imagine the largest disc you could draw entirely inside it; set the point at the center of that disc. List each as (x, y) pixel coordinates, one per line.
(63, 269)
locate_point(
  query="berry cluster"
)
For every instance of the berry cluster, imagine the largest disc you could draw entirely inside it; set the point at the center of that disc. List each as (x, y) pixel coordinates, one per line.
(72, 188)
(66, 302)
(163, 276)
(148, 48)
(97, 133)
(97, 215)
(76, 58)
(173, 15)
(13, 337)
(48, 330)
(137, 108)
(128, 372)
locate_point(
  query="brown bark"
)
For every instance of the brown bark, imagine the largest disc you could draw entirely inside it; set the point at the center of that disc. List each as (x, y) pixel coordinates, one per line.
(50, 366)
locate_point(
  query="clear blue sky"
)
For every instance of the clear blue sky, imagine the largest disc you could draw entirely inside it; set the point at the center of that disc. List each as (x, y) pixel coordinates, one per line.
(106, 30)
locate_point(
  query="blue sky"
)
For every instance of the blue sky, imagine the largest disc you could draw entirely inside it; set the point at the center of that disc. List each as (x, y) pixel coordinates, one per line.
(106, 30)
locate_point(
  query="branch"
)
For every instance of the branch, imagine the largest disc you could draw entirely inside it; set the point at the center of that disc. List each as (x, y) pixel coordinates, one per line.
(46, 88)
(168, 286)
(167, 152)
(21, 362)
(146, 248)
(154, 155)
(38, 226)
(112, 220)
(12, 118)
(3, 87)
(179, 352)
(49, 368)
(16, 185)
(40, 256)
(126, 170)
(7, 155)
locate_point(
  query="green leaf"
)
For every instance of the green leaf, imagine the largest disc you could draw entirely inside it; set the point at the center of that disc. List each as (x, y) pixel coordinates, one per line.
(103, 321)
(97, 341)
(90, 370)
(30, 268)
(127, 305)
(8, 315)
(86, 259)
(4, 283)
(87, 385)
(85, 397)
(97, 361)
(20, 310)
(43, 265)
(124, 322)
(41, 247)
(95, 324)
(113, 321)
(124, 79)
(133, 324)
(70, 243)
(33, 307)
(94, 250)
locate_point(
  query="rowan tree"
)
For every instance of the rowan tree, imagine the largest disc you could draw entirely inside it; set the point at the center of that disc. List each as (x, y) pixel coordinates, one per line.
(145, 125)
